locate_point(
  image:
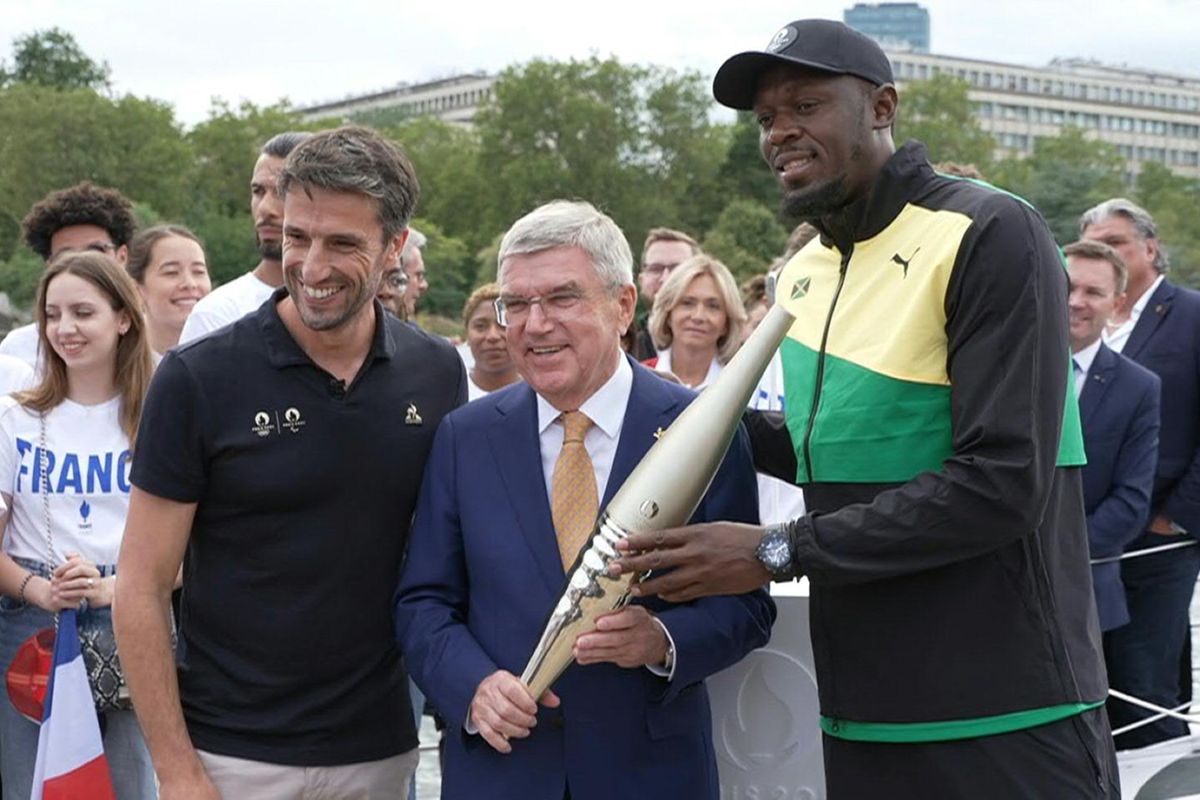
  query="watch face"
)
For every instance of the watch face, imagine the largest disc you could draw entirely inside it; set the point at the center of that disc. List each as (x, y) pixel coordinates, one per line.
(773, 551)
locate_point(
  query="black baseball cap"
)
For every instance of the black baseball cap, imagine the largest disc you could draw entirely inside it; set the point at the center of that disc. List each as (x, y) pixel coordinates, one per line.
(820, 44)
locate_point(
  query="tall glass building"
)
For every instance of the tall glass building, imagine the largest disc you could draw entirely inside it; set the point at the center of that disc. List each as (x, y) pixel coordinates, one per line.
(896, 26)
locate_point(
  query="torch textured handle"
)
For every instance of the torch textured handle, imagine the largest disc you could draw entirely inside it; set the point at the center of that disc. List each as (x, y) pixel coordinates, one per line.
(661, 492)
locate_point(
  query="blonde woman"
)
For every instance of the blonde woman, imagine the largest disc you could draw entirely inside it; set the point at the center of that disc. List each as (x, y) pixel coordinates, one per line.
(697, 321)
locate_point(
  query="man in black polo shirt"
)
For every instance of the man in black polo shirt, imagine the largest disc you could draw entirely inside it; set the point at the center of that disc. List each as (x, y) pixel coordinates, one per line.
(283, 454)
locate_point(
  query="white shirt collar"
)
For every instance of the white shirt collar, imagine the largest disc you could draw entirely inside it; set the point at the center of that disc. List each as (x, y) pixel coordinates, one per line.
(1087, 355)
(1140, 305)
(605, 408)
(664, 364)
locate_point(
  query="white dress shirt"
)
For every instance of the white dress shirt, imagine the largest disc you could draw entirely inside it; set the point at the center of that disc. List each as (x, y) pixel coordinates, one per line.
(1083, 360)
(664, 365)
(1117, 339)
(606, 409)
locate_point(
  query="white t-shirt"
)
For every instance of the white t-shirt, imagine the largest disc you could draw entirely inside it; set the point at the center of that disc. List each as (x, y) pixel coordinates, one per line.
(22, 343)
(225, 304)
(15, 375)
(88, 470)
(474, 390)
(468, 358)
(778, 501)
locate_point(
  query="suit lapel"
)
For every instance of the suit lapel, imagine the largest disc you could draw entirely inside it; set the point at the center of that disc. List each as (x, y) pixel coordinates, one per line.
(649, 410)
(1152, 316)
(1099, 379)
(517, 452)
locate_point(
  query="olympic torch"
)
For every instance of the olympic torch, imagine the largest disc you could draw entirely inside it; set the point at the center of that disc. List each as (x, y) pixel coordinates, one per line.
(661, 492)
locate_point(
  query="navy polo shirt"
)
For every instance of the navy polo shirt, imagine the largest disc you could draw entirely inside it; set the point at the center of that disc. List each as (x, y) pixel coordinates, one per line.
(305, 490)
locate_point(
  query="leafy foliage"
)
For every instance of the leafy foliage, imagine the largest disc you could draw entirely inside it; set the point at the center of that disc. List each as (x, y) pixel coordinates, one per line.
(1065, 176)
(746, 238)
(53, 59)
(640, 142)
(937, 112)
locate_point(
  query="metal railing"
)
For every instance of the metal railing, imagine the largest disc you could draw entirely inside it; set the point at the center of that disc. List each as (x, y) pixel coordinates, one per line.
(1159, 711)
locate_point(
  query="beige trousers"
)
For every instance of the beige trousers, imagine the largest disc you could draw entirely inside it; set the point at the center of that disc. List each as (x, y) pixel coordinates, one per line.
(241, 779)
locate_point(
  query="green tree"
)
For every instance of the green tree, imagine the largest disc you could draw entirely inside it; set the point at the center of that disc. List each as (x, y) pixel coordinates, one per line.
(937, 112)
(635, 141)
(1172, 200)
(453, 183)
(451, 269)
(746, 238)
(744, 173)
(19, 276)
(226, 145)
(1066, 175)
(229, 244)
(53, 58)
(56, 138)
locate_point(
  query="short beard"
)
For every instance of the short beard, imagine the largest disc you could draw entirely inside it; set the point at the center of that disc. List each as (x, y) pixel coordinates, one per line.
(363, 295)
(812, 203)
(270, 251)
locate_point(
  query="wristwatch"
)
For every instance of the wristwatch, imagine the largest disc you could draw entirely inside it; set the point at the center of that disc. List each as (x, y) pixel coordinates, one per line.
(775, 553)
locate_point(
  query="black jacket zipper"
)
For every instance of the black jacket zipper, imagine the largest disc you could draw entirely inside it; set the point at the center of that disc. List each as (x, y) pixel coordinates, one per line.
(816, 398)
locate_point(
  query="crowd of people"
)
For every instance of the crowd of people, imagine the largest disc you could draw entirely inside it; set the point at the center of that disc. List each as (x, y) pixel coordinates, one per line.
(285, 497)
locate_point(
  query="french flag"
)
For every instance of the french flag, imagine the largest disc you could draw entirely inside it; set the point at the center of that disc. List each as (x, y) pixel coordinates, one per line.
(70, 757)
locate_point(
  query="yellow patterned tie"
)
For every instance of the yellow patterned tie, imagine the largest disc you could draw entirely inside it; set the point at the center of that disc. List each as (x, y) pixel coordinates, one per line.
(573, 503)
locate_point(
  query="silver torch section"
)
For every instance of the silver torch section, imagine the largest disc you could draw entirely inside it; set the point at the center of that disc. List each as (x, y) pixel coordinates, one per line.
(661, 492)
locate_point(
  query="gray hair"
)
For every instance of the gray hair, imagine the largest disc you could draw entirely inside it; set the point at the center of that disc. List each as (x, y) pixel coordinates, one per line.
(1139, 217)
(281, 145)
(565, 223)
(356, 160)
(415, 241)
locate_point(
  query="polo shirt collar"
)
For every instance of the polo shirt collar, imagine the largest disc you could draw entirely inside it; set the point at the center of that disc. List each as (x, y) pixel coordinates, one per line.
(284, 351)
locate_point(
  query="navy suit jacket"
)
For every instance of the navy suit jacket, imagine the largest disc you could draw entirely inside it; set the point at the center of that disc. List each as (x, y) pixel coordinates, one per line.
(483, 572)
(1119, 410)
(1166, 341)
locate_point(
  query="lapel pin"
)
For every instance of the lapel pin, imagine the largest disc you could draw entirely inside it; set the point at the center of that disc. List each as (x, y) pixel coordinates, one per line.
(412, 417)
(658, 434)
(1160, 308)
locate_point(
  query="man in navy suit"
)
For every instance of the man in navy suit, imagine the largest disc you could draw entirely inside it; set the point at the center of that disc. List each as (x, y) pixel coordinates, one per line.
(1159, 329)
(1118, 405)
(486, 559)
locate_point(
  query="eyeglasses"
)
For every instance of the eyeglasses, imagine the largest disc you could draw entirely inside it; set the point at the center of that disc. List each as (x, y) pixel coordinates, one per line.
(657, 268)
(396, 279)
(514, 309)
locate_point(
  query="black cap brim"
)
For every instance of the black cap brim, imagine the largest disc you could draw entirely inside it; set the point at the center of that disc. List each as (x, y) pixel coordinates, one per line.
(736, 81)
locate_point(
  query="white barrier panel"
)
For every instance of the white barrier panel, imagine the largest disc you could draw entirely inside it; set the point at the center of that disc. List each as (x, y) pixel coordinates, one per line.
(765, 712)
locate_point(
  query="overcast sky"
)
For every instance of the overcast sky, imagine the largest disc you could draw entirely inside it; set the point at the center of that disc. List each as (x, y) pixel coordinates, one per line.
(312, 50)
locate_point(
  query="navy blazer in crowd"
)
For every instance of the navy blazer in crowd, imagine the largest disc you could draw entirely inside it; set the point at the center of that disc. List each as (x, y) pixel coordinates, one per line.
(1119, 408)
(1166, 341)
(484, 571)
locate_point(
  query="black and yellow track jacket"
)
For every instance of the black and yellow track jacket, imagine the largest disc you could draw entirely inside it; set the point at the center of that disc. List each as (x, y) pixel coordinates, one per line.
(931, 427)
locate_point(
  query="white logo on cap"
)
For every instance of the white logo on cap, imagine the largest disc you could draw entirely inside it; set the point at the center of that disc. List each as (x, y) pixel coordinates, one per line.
(786, 35)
